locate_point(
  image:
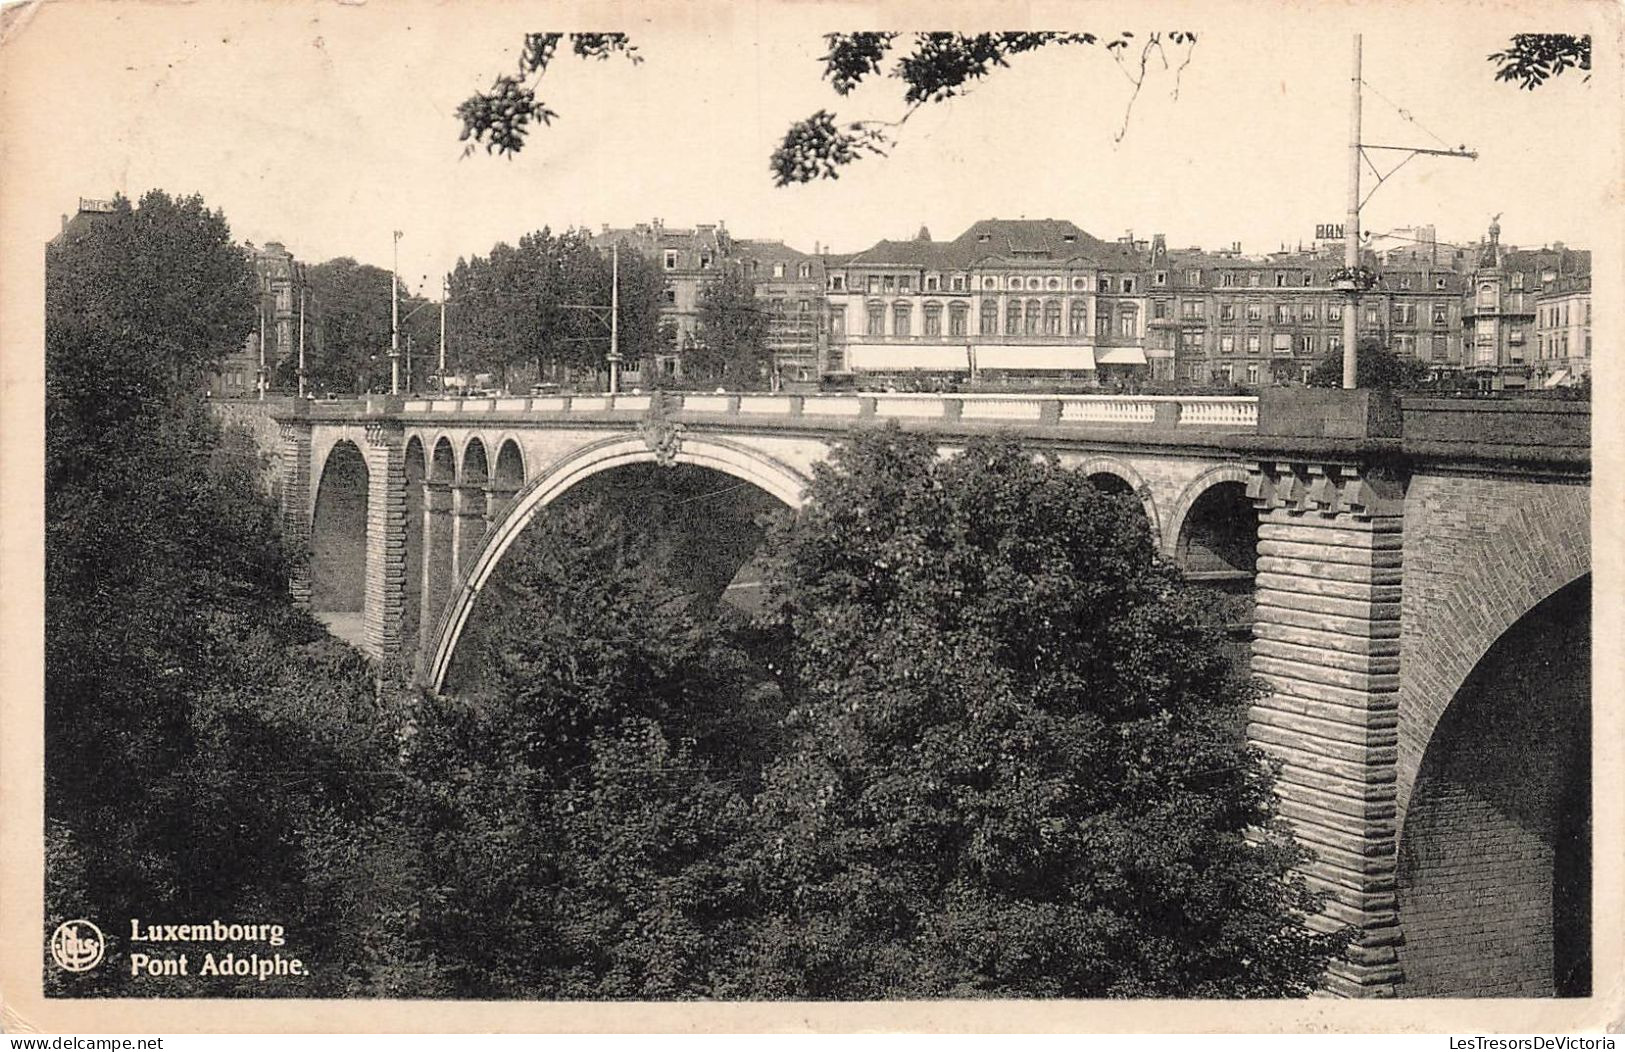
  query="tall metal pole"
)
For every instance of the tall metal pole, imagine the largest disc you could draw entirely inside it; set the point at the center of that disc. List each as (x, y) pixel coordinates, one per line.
(615, 319)
(395, 320)
(1351, 231)
(445, 290)
(301, 334)
(260, 380)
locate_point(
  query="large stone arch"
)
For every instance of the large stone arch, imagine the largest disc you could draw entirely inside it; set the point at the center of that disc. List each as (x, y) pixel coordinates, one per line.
(1104, 465)
(730, 458)
(1193, 492)
(1494, 856)
(338, 534)
(1479, 554)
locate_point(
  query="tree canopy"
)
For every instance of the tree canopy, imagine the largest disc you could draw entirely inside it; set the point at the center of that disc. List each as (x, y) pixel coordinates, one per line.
(731, 344)
(1375, 366)
(933, 67)
(349, 319)
(1531, 59)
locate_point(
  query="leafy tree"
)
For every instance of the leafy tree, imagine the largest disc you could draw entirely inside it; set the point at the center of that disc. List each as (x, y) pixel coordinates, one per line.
(579, 806)
(544, 305)
(938, 66)
(1530, 59)
(1020, 766)
(198, 728)
(732, 333)
(349, 328)
(1375, 366)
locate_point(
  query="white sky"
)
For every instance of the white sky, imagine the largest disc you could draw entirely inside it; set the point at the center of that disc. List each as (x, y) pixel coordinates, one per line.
(326, 125)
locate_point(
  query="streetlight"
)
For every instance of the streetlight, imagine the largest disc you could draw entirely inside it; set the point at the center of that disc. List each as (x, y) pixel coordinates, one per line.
(394, 319)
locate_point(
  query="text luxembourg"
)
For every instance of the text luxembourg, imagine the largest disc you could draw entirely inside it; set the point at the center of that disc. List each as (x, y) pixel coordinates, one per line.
(214, 931)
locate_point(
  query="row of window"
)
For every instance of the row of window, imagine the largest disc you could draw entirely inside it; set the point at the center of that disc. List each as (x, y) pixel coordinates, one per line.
(1401, 313)
(1030, 318)
(1225, 373)
(881, 283)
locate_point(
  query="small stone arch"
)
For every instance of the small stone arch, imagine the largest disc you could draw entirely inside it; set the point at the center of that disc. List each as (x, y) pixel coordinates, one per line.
(443, 462)
(1132, 482)
(474, 470)
(1198, 486)
(767, 473)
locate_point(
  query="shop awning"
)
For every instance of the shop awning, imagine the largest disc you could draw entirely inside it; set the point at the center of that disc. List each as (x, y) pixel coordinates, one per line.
(1121, 356)
(1556, 379)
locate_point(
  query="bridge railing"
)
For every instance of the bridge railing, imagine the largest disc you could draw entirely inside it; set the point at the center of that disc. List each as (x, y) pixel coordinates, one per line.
(1226, 412)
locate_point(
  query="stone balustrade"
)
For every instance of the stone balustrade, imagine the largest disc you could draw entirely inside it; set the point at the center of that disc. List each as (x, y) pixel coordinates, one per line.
(1224, 413)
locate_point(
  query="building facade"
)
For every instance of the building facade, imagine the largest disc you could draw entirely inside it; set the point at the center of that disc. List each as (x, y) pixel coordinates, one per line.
(1012, 301)
(274, 343)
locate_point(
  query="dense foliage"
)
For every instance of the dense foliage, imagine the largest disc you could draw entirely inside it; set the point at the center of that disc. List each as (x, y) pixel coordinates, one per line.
(542, 307)
(202, 737)
(348, 314)
(732, 334)
(1530, 59)
(1375, 366)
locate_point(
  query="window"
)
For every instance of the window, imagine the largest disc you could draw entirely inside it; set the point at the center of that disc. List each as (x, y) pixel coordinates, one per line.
(990, 283)
(984, 238)
(1159, 308)
(1441, 348)
(1104, 284)
(1128, 284)
(1283, 313)
(1441, 284)
(1517, 279)
(1373, 316)
(1078, 318)
(957, 282)
(1308, 278)
(1012, 318)
(837, 321)
(1227, 343)
(1486, 294)
(804, 271)
(1306, 343)
(1281, 344)
(1441, 314)
(1252, 373)
(1404, 313)
(1280, 279)
(874, 284)
(1227, 278)
(1103, 324)
(671, 259)
(1079, 284)
(1404, 281)
(1303, 373)
(778, 270)
(1053, 283)
(1227, 312)
(837, 282)
(901, 313)
(1195, 372)
(1405, 345)
(1334, 344)
(1160, 278)
(932, 283)
(956, 319)
(933, 319)
(1193, 277)
(1127, 322)
(1255, 312)
(1334, 312)
(705, 261)
(1195, 339)
(1308, 312)
(990, 318)
(1192, 308)
(1224, 372)
(905, 283)
(1052, 318)
(1254, 344)
(877, 319)
(1254, 279)
(1033, 309)
(888, 283)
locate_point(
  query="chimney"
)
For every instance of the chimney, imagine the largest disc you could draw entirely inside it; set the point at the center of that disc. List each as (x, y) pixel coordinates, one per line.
(64, 220)
(606, 230)
(1159, 246)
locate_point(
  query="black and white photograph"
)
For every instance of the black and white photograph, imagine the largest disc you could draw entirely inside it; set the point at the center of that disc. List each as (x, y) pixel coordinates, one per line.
(816, 516)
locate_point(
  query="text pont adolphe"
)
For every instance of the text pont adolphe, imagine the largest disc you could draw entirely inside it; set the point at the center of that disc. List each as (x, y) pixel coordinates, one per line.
(229, 964)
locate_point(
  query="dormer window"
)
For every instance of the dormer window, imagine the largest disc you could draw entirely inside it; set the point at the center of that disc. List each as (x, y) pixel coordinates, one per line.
(778, 270)
(984, 238)
(1069, 238)
(671, 259)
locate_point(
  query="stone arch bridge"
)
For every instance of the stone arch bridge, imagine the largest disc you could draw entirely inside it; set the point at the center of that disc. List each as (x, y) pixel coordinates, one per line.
(1420, 572)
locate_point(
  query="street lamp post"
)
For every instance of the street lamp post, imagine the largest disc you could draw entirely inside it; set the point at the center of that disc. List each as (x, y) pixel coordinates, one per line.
(615, 319)
(395, 319)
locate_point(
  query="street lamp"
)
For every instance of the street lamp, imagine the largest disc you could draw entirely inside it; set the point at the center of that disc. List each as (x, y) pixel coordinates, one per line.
(394, 319)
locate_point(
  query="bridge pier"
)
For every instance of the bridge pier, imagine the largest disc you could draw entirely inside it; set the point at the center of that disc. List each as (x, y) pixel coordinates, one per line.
(469, 519)
(383, 606)
(296, 466)
(438, 558)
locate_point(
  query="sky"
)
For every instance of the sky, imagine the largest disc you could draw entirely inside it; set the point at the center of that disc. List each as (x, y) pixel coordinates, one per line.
(327, 125)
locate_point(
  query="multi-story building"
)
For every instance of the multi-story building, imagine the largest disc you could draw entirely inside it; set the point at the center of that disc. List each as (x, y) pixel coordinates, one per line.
(1500, 315)
(280, 285)
(688, 259)
(1259, 320)
(1563, 329)
(1007, 300)
(790, 286)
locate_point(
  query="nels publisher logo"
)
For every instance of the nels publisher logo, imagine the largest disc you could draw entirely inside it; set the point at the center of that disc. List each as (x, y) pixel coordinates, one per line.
(78, 945)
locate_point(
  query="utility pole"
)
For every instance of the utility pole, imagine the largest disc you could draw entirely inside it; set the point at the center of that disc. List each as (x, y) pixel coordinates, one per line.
(395, 319)
(1354, 280)
(445, 290)
(615, 319)
(261, 375)
(1351, 232)
(408, 363)
(301, 332)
